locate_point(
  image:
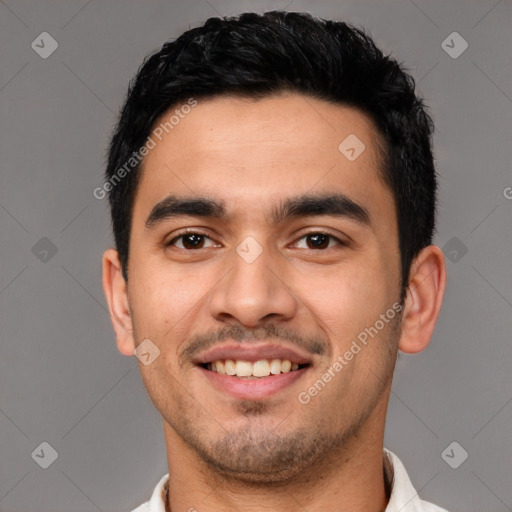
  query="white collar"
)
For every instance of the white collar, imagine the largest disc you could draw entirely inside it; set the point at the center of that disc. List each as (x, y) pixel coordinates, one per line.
(403, 498)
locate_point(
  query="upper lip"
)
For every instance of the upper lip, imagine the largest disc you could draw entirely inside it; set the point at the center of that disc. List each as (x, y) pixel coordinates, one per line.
(253, 352)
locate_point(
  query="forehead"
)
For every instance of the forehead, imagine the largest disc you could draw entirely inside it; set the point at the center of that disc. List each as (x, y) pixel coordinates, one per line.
(249, 153)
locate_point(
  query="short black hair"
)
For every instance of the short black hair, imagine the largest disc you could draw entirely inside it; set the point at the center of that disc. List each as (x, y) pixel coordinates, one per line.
(256, 55)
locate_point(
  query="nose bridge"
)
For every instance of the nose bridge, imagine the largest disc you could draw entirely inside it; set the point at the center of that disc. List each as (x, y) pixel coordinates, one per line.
(252, 291)
(251, 266)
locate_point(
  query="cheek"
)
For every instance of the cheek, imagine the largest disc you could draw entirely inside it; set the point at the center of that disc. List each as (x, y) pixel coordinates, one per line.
(165, 303)
(164, 388)
(163, 285)
(159, 301)
(348, 298)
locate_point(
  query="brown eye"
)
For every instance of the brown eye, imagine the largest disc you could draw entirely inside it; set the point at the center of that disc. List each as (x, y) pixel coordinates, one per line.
(319, 240)
(189, 241)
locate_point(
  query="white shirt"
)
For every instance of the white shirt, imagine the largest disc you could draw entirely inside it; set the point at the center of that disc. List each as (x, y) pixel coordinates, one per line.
(403, 497)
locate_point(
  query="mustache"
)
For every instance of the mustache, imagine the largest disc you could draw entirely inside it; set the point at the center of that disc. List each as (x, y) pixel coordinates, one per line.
(314, 344)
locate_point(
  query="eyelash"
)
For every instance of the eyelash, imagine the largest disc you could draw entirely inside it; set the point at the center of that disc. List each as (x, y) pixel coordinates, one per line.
(195, 232)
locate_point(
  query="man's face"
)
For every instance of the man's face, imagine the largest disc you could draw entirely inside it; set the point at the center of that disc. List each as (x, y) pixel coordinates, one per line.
(253, 285)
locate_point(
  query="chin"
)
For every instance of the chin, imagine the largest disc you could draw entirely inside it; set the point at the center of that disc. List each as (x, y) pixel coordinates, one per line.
(265, 457)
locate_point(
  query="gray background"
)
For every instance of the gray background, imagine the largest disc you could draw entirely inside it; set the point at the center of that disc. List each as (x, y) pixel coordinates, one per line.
(62, 380)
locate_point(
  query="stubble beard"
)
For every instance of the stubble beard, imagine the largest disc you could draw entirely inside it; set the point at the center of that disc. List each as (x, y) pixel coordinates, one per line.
(253, 457)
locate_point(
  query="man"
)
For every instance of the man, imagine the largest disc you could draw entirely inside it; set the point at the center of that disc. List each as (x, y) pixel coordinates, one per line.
(272, 191)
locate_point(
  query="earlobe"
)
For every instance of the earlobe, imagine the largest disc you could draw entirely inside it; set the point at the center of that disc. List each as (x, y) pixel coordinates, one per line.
(116, 294)
(427, 282)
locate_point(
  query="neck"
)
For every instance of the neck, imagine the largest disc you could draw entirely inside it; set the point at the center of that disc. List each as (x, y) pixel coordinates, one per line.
(349, 479)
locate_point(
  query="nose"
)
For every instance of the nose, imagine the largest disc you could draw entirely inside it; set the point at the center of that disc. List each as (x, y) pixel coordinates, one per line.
(254, 291)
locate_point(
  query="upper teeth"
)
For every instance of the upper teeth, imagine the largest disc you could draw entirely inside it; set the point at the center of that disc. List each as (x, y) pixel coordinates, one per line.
(262, 368)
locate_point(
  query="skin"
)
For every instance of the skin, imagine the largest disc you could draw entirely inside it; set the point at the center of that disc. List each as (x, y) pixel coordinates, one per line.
(225, 454)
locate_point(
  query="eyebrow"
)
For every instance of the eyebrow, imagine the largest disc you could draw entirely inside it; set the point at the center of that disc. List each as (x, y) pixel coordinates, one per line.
(338, 205)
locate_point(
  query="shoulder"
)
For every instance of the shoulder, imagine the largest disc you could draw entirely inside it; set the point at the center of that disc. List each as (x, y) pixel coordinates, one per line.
(404, 497)
(157, 500)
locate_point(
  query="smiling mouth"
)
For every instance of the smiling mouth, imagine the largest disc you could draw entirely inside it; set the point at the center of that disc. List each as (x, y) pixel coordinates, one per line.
(253, 370)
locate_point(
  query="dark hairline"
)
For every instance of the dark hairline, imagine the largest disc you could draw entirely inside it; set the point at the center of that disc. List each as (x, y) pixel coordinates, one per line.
(380, 146)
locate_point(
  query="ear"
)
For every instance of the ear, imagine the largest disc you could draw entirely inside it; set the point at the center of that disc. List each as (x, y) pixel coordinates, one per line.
(427, 282)
(116, 294)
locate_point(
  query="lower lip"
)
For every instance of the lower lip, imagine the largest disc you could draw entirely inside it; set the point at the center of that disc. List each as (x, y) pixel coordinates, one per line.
(252, 389)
